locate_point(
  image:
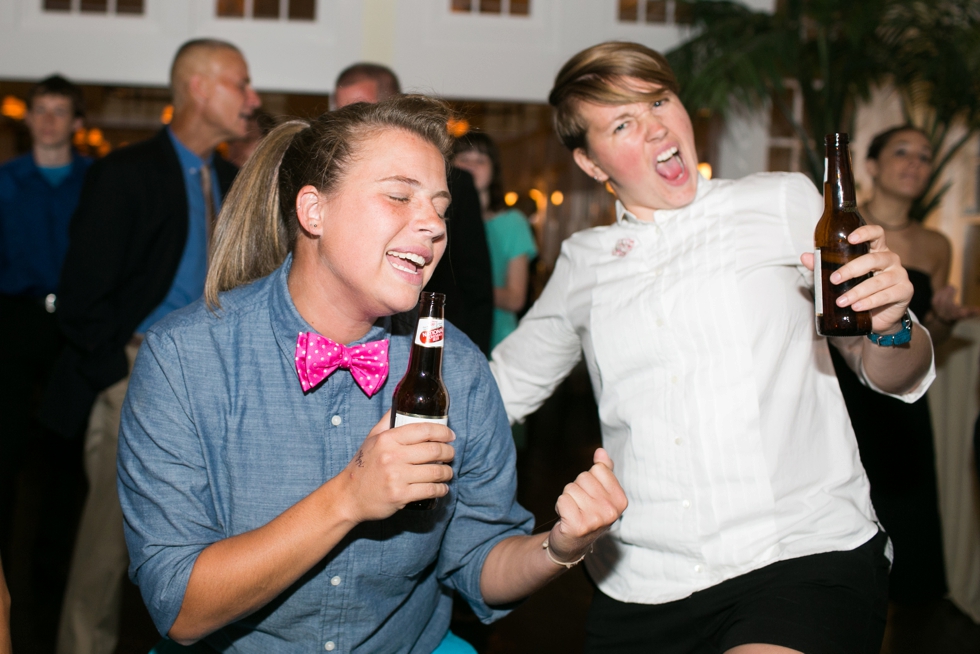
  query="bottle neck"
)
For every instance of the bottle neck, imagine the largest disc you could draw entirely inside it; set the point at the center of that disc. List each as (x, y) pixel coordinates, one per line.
(838, 185)
(424, 359)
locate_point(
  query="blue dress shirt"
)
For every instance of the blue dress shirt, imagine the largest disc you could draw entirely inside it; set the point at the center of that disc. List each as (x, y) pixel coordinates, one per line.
(34, 220)
(218, 438)
(188, 284)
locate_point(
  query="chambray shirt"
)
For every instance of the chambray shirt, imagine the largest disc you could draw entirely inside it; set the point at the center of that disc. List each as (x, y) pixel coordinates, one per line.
(218, 438)
(188, 283)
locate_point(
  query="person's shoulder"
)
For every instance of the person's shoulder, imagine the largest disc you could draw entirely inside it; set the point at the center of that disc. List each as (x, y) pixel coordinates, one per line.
(245, 303)
(463, 361)
(136, 154)
(17, 167)
(933, 242)
(774, 181)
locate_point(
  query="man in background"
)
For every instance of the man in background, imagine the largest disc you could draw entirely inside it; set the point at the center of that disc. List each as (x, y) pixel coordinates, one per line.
(464, 273)
(38, 194)
(139, 244)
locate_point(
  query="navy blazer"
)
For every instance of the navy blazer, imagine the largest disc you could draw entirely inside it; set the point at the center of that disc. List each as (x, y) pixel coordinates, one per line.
(125, 243)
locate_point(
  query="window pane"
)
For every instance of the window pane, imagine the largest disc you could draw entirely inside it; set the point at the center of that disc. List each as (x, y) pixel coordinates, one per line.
(302, 9)
(520, 7)
(231, 8)
(489, 6)
(57, 5)
(265, 9)
(683, 12)
(461, 6)
(129, 6)
(780, 159)
(656, 11)
(95, 6)
(627, 10)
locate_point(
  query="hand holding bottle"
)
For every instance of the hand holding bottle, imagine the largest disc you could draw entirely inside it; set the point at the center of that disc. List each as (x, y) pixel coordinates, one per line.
(586, 509)
(394, 467)
(886, 294)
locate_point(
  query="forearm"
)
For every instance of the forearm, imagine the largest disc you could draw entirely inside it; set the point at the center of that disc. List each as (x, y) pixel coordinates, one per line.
(509, 299)
(238, 575)
(515, 568)
(898, 369)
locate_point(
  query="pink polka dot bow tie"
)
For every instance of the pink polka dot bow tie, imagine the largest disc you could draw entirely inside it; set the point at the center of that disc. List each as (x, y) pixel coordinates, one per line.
(318, 356)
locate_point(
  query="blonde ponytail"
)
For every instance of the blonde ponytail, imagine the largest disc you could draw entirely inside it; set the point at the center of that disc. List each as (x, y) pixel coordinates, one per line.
(251, 236)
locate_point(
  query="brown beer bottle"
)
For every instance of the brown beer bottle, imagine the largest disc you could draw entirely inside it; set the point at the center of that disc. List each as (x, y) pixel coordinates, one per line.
(421, 396)
(831, 249)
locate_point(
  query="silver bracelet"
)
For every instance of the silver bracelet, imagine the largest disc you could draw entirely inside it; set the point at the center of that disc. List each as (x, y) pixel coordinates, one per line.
(546, 547)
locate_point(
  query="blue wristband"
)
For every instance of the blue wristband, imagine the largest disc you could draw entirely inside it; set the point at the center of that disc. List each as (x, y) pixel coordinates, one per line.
(901, 337)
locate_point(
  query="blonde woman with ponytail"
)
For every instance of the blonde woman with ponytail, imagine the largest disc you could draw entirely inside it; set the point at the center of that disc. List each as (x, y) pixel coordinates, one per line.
(262, 487)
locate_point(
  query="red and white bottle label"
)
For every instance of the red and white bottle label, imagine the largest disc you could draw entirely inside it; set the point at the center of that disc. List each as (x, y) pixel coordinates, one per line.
(430, 332)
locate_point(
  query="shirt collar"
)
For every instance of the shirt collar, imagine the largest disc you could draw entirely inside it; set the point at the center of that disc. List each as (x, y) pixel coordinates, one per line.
(661, 216)
(189, 162)
(287, 323)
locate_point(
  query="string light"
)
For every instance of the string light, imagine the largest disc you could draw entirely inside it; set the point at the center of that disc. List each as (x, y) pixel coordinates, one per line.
(557, 198)
(705, 169)
(510, 198)
(13, 107)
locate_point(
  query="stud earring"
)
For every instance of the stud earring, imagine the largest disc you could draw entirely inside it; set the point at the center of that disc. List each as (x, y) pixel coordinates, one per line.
(313, 225)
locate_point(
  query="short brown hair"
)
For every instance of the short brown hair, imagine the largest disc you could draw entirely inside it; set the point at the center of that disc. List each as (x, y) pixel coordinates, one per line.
(383, 76)
(58, 85)
(258, 226)
(598, 74)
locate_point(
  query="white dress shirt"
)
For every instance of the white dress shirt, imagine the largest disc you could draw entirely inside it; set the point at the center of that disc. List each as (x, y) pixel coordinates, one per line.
(718, 401)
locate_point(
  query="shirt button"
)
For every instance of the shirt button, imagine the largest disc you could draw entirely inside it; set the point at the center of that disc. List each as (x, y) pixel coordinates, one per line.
(660, 323)
(673, 379)
(335, 581)
(678, 441)
(329, 646)
(686, 504)
(335, 421)
(697, 568)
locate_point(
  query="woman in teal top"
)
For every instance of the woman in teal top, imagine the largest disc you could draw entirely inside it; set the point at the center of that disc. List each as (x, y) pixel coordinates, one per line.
(509, 235)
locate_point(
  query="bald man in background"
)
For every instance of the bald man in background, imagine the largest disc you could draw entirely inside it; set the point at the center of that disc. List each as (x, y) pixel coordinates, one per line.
(138, 250)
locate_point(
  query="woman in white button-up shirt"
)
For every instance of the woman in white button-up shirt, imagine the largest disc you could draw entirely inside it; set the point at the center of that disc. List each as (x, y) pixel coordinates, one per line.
(750, 527)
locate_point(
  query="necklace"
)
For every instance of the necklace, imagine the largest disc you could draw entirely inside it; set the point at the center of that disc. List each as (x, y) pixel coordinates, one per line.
(887, 228)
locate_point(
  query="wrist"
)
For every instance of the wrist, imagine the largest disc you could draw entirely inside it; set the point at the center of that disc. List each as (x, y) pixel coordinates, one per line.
(894, 336)
(338, 498)
(561, 560)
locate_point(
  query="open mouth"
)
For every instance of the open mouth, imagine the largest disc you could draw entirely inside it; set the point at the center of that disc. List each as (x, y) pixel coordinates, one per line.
(670, 166)
(405, 261)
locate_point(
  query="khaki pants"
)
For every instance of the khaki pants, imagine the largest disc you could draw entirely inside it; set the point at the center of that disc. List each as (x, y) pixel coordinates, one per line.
(93, 596)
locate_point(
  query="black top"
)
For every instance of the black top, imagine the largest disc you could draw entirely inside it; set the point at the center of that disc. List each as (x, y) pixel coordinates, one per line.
(126, 240)
(896, 445)
(464, 273)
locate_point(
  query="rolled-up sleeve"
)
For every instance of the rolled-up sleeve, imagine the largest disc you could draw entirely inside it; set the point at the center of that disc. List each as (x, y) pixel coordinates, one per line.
(164, 488)
(486, 510)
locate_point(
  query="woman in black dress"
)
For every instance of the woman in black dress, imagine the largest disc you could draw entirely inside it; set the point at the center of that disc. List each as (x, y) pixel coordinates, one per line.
(895, 438)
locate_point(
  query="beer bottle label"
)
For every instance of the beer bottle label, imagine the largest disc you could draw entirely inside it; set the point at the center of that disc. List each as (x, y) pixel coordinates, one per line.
(817, 283)
(410, 418)
(430, 332)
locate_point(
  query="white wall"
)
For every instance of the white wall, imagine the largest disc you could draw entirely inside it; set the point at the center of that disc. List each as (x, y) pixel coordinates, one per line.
(455, 55)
